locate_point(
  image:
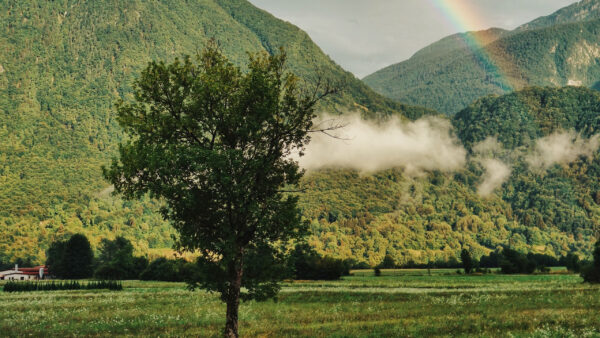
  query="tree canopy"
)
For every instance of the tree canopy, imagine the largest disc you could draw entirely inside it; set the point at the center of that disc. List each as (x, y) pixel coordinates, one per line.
(216, 143)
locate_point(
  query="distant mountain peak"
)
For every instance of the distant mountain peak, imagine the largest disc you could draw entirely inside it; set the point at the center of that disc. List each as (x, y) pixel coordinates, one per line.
(580, 11)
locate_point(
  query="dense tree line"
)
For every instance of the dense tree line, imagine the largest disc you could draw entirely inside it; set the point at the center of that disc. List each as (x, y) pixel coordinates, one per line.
(74, 259)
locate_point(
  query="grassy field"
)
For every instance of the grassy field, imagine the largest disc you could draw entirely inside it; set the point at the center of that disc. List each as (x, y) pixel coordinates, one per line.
(398, 303)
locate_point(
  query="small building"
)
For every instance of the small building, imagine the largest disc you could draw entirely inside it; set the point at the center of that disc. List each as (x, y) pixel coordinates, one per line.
(35, 273)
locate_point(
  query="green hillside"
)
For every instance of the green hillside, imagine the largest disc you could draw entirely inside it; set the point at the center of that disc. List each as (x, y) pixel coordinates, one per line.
(545, 55)
(565, 197)
(431, 218)
(64, 63)
(458, 42)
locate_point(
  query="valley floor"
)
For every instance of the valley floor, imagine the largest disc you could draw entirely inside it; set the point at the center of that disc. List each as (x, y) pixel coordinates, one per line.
(398, 303)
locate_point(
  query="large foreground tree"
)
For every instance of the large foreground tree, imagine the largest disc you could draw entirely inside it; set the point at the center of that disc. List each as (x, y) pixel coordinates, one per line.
(215, 143)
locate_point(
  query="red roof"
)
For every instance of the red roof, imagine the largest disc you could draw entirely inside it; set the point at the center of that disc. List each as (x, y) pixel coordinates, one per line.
(33, 271)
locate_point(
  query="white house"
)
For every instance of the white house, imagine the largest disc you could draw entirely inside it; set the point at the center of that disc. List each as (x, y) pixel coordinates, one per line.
(35, 273)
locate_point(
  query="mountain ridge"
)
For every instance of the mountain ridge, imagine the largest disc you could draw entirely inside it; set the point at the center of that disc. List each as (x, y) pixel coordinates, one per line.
(541, 55)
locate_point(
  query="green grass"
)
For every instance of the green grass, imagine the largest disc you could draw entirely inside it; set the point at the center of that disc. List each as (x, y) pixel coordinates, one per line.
(399, 303)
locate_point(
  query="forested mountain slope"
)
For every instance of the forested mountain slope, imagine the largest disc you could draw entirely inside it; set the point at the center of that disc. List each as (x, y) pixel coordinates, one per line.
(562, 51)
(552, 210)
(459, 41)
(63, 65)
(66, 62)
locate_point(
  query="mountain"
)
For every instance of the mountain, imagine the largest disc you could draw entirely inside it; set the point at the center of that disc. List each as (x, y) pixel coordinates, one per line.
(564, 195)
(459, 42)
(557, 55)
(579, 11)
(63, 65)
(430, 218)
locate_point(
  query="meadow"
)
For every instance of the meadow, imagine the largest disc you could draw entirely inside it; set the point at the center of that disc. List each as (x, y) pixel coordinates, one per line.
(413, 303)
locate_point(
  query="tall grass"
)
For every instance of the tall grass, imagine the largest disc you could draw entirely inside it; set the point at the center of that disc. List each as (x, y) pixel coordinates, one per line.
(67, 285)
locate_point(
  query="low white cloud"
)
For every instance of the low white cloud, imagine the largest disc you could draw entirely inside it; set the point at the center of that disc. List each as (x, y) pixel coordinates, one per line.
(496, 173)
(561, 148)
(423, 145)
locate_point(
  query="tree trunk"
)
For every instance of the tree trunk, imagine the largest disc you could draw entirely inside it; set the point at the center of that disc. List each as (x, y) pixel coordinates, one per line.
(233, 297)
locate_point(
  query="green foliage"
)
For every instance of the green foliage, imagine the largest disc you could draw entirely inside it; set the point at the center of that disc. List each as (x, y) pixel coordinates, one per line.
(513, 261)
(169, 270)
(116, 260)
(71, 259)
(419, 220)
(60, 286)
(563, 197)
(571, 262)
(207, 134)
(64, 64)
(58, 127)
(451, 78)
(591, 272)
(520, 118)
(308, 265)
(387, 263)
(467, 261)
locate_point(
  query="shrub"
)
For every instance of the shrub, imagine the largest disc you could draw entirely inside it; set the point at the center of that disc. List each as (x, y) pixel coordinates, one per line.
(360, 265)
(513, 262)
(71, 259)
(572, 262)
(166, 270)
(55, 286)
(388, 263)
(307, 264)
(591, 272)
(116, 260)
(465, 257)
(377, 272)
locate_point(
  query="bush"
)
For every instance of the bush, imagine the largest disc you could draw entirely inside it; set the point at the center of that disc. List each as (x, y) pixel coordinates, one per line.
(71, 259)
(591, 272)
(360, 265)
(572, 262)
(55, 286)
(308, 265)
(388, 263)
(490, 261)
(513, 262)
(166, 270)
(377, 272)
(116, 260)
(465, 257)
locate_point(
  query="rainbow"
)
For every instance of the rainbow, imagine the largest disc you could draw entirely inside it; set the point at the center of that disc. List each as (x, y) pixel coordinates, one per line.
(465, 18)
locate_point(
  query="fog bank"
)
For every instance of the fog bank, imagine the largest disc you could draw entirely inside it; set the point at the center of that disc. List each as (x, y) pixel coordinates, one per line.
(423, 145)
(562, 148)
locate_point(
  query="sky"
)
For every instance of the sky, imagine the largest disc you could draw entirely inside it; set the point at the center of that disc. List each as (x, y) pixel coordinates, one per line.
(364, 36)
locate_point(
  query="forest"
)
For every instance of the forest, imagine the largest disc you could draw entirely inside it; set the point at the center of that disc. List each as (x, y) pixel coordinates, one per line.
(58, 129)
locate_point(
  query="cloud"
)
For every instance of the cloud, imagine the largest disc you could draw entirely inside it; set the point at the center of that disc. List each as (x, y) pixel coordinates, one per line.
(496, 173)
(489, 147)
(561, 148)
(423, 145)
